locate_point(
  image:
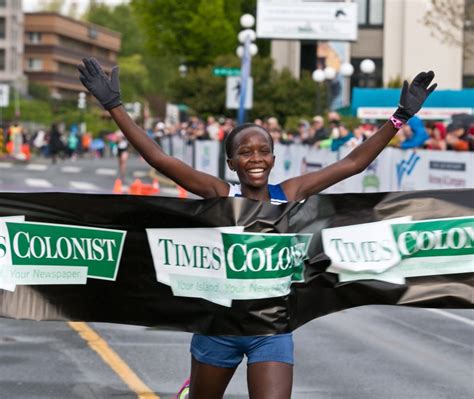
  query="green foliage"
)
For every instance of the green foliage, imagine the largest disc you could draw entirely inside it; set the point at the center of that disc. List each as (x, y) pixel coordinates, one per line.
(194, 32)
(134, 80)
(275, 94)
(38, 91)
(30, 110)
(395, 82)
(120, 19)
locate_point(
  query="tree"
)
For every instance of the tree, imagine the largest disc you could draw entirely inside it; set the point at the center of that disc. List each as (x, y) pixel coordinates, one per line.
(275, 93)
(452, 21)
(194, 32)
(52, 5)
(120, 19)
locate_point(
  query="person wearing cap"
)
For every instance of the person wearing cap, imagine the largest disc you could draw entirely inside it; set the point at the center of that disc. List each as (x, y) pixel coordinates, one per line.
(457, 137)
(317, 132)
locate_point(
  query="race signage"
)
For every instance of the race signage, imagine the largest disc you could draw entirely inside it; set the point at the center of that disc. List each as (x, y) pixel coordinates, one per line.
(306, 20)
(391, 250)
(4, 95)
(43, 253)
(221, 264)
(232, 93)
(432, 113)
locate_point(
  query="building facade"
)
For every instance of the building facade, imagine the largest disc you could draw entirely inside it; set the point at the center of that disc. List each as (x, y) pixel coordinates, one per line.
(394, 34)
(11, 44)
(55, 44)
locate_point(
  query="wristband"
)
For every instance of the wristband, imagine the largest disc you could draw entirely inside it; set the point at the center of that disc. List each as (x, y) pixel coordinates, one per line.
(397, 123)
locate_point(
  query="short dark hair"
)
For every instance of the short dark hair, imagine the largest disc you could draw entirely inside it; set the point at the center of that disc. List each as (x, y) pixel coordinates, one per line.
(229, 140)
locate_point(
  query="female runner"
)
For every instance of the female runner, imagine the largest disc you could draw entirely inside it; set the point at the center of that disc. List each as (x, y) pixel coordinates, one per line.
(249, 149)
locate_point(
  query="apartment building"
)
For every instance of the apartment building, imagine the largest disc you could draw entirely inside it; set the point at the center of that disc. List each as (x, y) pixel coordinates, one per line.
(394, 34)
(55, 44)
(11, 44)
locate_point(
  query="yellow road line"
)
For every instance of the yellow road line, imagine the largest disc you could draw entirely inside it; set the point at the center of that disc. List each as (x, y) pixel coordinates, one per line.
(113, 360)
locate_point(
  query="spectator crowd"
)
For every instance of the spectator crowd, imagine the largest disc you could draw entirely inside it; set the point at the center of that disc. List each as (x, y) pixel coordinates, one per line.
(329, 133)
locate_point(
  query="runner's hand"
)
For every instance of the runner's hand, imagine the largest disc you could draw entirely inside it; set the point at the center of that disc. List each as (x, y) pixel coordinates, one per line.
(414, 95)
(105, 89)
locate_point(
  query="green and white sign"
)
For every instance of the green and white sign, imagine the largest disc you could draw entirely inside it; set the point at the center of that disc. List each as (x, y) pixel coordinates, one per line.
(221, 264)
(42, 253)
(225, 71)
(392, 250)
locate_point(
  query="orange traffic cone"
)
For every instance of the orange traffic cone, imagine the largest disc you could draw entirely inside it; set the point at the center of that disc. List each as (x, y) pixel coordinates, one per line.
(156, 186)
(182, 193)
(135, 187)
(117, 187)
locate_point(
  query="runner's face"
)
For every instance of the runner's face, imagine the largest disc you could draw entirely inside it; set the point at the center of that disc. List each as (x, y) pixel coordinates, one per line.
(252, 157)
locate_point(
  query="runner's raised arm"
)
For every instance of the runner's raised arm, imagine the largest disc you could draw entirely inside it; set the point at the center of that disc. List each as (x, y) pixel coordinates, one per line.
(412, 98)
(107, 91)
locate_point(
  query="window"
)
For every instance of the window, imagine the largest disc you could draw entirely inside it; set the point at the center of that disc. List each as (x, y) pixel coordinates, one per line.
(34, 37)
(370, 12)
(468, 82)
(2, 27)
(35, 64)
(2, 59)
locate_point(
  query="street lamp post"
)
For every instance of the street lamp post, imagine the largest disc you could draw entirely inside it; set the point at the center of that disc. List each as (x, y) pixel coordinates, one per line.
(81, 104)
(318, 77)
(367, 67)
(246, 51)
(329, 74)
(183, 70)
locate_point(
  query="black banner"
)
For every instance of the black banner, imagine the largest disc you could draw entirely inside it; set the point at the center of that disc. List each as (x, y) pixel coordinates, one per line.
(135, 297)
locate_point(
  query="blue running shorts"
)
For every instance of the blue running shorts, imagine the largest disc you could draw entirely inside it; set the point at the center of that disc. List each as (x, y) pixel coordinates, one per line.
(228, 351)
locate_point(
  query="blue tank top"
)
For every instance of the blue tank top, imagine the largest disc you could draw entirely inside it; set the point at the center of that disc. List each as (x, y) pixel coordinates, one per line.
(276, 193)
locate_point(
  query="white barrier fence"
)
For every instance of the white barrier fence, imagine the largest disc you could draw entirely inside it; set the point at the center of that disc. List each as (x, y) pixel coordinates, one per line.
(393, 170)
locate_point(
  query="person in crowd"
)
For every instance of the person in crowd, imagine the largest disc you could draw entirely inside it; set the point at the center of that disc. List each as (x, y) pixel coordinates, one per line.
(414, 134)
(304, 132)
(343, 137)
(437, 136)
(72, 144)
(122, 154)
(457, 137)
(40, 142)
(272, 123)
(249, 150)
(358, 136)
(56, 144)
(86, 142)
(317, 132)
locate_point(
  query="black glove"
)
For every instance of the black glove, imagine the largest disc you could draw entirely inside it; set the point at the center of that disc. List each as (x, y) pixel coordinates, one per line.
(105, 89)
(414, 95)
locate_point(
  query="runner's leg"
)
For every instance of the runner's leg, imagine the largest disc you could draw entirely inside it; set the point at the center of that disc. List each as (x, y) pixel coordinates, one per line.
(208, 382)
(270, 380)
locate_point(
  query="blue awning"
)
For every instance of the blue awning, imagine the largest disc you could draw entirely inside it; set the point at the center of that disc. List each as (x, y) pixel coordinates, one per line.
(362, 97)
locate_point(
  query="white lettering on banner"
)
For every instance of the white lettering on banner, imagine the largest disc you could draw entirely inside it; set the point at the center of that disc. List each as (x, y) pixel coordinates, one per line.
(194, 252)
(362, 247)
(64, 248)
(425, 247)
(454, 238)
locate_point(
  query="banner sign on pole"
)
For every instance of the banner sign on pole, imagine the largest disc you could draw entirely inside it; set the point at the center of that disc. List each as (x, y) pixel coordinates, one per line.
(306, 20)
(232, 93)
(4, 95)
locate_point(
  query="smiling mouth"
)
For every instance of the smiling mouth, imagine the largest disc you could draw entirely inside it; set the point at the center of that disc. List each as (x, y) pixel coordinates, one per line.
(256, 172)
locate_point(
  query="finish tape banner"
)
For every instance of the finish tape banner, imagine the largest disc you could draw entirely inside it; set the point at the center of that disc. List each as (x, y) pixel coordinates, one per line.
(231, 266)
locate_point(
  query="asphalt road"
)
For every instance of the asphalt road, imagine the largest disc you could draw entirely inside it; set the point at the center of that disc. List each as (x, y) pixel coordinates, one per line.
(370, 352)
